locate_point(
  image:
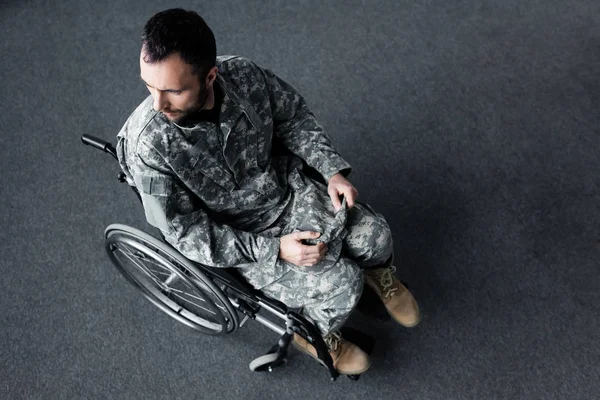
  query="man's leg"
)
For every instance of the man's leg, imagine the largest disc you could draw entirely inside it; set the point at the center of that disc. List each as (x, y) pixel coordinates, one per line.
(327, 299)
(369, 242)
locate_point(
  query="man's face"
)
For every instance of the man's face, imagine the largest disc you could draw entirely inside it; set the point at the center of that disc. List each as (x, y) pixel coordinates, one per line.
(176, 91)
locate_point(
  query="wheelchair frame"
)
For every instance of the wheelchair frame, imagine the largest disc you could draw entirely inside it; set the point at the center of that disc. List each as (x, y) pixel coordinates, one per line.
(228, 286)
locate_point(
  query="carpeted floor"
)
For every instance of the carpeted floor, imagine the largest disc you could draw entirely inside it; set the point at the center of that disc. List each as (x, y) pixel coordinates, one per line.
(473, 126)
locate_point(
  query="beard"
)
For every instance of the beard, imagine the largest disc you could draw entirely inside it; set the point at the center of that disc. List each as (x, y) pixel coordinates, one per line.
(175, 115)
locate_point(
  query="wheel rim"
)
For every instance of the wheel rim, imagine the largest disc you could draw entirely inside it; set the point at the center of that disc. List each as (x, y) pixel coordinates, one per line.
(170, 282)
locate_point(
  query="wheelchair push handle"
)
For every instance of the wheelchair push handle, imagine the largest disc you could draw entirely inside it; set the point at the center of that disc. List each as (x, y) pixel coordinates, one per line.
(99, 144)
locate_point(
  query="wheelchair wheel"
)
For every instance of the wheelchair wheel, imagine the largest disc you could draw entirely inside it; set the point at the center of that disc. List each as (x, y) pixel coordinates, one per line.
(170, 281)
(268, 362)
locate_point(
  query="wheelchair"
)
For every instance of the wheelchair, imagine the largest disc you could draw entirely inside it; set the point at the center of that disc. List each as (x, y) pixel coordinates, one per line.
(212, 301)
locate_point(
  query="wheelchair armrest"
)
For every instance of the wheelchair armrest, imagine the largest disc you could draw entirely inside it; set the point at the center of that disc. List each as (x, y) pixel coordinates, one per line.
(237, 281)
(230, 277)
(275, 304)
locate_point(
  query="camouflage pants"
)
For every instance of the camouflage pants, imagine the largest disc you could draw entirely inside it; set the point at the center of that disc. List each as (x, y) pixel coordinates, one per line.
(328, 297)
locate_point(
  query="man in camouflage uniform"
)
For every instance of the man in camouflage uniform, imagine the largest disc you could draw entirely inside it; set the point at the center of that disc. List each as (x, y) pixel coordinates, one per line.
(201, 150)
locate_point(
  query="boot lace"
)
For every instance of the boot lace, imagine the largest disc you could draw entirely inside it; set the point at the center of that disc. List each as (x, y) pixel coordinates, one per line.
(386, 281)
(333, 340)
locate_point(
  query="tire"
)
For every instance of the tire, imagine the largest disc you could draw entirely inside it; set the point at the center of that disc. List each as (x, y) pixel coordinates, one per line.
(170, 281)
(265, 363)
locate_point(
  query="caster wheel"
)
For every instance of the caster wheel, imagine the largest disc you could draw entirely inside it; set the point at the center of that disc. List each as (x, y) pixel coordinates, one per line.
(266, 363)
(353, 377)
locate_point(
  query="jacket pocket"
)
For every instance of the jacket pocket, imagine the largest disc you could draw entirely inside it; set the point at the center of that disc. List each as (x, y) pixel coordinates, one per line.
(155, 192)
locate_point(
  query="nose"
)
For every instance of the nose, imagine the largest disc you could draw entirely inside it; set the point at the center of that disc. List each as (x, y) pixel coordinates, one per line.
(159, 100)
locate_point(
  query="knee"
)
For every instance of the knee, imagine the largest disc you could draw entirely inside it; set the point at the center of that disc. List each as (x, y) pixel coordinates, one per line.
(383, 244)
(371, 243)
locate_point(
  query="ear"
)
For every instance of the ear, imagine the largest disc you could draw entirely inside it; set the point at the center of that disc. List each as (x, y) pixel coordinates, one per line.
(211, 76)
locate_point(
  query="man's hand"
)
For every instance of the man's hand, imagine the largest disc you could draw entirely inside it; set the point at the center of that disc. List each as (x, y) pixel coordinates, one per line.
(291, 249)
(338, 185)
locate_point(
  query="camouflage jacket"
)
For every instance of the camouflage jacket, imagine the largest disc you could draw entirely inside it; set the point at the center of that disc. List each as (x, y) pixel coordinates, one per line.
(217, 192)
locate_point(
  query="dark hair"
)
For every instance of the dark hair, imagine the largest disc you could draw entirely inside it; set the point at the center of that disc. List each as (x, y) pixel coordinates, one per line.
(180, 31)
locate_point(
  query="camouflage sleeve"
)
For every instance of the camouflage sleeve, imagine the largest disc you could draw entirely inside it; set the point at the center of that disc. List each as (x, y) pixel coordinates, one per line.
(173, 209)
(299, 130)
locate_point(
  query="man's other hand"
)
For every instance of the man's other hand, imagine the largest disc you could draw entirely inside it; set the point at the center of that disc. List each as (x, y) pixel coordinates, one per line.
(292, 250)
(340, 186)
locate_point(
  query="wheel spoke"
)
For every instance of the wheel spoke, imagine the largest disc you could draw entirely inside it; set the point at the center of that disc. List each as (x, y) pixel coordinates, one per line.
(178, 292)
(154, 262)
(217, 301)
(165, 289)
(164, 286)
(174, 292)
(143, 269)
(173, 278)
(178, 287)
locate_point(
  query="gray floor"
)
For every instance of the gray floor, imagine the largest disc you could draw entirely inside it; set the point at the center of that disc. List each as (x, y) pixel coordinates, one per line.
(473, 126)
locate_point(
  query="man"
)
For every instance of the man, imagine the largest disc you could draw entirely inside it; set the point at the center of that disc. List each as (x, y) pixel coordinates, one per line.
(202, 151)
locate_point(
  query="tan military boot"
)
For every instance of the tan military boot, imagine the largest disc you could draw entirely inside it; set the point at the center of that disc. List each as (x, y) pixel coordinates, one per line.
(398, 301)
(347, 357)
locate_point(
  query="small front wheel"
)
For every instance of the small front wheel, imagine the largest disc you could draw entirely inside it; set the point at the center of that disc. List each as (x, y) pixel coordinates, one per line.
(266, 363)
